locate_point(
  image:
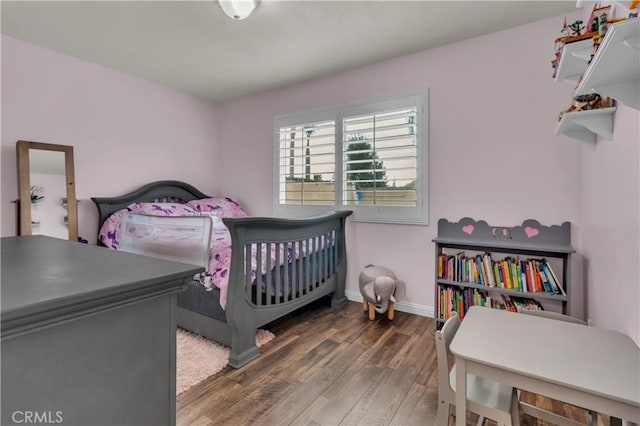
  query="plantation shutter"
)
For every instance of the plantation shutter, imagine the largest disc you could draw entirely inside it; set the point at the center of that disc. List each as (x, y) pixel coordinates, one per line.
(369, 157)
(307, 163)
(380, 158)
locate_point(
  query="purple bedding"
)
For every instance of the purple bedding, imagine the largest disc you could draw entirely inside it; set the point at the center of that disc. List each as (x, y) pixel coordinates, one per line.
(218, 207)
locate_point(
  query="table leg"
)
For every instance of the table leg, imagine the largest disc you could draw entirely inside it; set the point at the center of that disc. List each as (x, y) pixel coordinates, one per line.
(461, 392)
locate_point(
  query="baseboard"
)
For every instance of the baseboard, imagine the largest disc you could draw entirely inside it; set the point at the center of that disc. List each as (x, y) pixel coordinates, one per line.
(410, 308)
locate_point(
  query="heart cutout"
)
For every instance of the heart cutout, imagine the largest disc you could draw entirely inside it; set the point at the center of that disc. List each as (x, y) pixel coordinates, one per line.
(468, 229)
(531, 232)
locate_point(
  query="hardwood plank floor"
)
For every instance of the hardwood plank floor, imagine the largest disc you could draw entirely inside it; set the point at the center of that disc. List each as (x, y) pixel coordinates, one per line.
(335, 367)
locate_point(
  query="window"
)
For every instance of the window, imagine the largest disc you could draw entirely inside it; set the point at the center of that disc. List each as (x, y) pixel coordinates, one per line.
(369, 157)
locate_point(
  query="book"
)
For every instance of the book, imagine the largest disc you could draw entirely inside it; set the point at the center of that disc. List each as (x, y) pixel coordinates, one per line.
(505, 272)
(481, 276)
(459, 300)
(530, 278)
(545, 283)
(552, 286)
(522, 265)
(516, 274)
(498, 274)
(476, 272)
(457, 276)
(487, 263)
(536, 276)
(524, 303)
(555, 278)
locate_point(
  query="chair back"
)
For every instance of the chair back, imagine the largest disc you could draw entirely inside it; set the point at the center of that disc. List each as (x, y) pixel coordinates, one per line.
(443, 341)
(553, 315)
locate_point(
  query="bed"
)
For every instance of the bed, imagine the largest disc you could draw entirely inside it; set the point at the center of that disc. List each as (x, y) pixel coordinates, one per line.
(276, 266)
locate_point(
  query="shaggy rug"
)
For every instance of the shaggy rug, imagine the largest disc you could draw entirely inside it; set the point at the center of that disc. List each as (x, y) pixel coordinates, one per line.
(198, 358)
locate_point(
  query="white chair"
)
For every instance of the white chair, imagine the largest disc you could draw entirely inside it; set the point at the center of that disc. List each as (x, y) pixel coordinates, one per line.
(484, 397)
(541, 413)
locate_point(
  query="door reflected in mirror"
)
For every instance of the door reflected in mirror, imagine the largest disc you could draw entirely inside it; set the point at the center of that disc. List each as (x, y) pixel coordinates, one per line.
(47, 190)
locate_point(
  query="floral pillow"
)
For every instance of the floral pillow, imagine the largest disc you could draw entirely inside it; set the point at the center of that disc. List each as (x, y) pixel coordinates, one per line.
(217, 222)
(223, 206)
(109, 232)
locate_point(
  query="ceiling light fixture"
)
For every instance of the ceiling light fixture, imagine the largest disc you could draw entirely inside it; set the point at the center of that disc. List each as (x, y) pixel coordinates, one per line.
(238, 9)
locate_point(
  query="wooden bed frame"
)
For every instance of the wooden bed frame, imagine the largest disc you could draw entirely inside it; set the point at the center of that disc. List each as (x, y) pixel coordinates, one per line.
(254, 303)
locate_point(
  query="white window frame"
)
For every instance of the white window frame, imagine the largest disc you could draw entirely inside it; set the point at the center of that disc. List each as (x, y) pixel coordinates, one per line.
(382, 214)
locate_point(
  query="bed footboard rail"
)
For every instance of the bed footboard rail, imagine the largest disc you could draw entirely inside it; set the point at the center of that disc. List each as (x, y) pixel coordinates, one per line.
(279, 265)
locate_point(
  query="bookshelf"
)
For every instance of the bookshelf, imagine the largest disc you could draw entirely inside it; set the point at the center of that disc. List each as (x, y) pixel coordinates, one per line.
(527, 245)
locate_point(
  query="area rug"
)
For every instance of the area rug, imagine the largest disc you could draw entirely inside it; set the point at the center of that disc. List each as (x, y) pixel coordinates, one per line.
(198, 358)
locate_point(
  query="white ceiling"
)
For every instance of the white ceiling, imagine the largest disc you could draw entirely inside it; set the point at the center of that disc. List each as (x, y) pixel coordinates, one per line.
(192, 46)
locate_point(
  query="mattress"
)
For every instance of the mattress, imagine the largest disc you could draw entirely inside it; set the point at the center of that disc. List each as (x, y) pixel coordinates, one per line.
(204, 301)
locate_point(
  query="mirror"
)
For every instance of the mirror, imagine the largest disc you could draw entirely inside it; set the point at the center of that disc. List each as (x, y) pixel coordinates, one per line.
(46, 187)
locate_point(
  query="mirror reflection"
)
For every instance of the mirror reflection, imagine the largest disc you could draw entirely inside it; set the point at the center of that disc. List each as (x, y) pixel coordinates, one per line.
(47, 191)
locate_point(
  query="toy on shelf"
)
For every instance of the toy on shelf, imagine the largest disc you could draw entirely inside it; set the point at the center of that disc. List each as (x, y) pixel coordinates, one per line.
(575, 29)
(587, 102)
(599, 20)
(596, 45)
(596, 28)
(572, 33)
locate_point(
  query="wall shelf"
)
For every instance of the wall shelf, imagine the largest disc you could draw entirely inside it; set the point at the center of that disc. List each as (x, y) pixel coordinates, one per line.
(615, 68)
(586, 126)
(573, 61)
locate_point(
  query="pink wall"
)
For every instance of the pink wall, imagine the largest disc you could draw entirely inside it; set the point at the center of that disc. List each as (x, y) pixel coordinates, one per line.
(125, 131)
(610, 232)
(610, 229)
(493, 152)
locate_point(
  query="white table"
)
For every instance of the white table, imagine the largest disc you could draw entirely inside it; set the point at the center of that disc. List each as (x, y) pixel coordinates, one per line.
(586, 366)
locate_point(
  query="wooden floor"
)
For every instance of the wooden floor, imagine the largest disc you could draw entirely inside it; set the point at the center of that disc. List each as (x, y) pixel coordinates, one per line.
(334, 367)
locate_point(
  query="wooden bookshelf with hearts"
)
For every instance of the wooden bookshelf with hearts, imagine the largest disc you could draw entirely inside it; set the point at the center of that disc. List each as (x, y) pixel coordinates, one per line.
(513, 268)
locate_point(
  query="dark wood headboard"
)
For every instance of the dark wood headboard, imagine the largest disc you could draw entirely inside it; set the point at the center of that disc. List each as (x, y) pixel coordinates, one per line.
(163, 191)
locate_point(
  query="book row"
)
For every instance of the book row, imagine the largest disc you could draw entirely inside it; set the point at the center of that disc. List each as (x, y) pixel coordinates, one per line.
(459, 300)
(527, 276)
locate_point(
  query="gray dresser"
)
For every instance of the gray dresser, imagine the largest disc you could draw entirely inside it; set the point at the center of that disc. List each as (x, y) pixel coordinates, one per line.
(88, 334)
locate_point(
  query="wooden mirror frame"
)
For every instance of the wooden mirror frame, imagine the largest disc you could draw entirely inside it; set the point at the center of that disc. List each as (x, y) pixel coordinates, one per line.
(24, 185)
